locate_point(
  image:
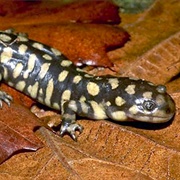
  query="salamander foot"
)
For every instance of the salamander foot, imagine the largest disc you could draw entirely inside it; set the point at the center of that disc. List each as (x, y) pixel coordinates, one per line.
(6, 98)
(71, 130)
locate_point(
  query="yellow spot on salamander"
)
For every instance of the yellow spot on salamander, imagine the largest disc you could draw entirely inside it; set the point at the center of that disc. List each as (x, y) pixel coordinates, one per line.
(17, 70)
(66, 95)
(84, 107)
(22, 38)
(56, 106)
(49, 92)
(5, 38)
(133, 109)
(77, 79)
(98, 78)
(147, 95)
(47, 57)
(113, 82)
(82, 98)
(108, 103)
(44, 70)
(62, 76)
(6, 55)
(93, 88)
(10, 84)
(20, 85)
(22, 49)
(99, 112)
(130, 89)
(30, 65)
(5, 73)
(66, 63)
(38, 46)
(40, 96)
(56, 52)
(89, 75)
(79, 70)
(119, 115)
(33, 89)
(73, 106)
(119, 101)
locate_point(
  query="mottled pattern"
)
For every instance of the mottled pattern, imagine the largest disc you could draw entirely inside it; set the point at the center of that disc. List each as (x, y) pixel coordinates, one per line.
(44, 74)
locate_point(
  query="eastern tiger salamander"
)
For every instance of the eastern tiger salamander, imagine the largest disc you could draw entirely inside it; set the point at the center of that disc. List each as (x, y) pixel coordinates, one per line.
(47, 76)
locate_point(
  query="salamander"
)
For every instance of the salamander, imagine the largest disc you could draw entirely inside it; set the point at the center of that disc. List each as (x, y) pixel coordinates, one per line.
(47, 76)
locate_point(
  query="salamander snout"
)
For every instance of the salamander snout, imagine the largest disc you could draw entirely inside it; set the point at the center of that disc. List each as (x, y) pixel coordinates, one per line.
(156, 107)
(165, 109)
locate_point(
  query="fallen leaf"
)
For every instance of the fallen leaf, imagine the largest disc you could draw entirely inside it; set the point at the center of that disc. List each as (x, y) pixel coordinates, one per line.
(148, 31)
(104, 149)
(84, 44)
(20, 9)
(26, 12)
(18, 97)
(16, 126)
(81, 43)
(116, 151)
(160, 64)
(173, 86)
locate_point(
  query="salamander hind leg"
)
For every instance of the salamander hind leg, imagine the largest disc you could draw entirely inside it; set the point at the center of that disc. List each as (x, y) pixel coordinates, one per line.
(6, 98)
(69, 125)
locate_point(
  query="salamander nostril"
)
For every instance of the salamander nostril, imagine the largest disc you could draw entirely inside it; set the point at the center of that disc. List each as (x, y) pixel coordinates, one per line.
(168, 110)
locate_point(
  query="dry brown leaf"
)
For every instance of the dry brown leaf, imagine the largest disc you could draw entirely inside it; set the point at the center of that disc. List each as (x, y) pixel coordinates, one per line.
(173, 86)
(103, 146)
(84, 44)
(111, 151)
(16, 127)
(40, 12)
(22, 10)
(18, 97)
(160, 64)
(154, 35)
(81, 43)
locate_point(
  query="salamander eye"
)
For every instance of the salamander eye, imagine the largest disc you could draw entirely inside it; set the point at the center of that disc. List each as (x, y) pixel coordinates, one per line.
(149, 105)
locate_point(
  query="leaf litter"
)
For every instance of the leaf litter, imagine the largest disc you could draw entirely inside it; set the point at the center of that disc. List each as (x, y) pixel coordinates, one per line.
(119, 151)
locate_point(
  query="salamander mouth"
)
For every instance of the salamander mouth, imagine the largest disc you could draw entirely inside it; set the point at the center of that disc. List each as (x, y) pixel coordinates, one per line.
(151, 118)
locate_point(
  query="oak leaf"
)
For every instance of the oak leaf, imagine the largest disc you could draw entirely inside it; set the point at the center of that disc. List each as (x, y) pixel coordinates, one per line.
(16, 127)
(24, 11)
(84, 44)
(163, 59)
(81, 43)
(85, 11)
(117, 151)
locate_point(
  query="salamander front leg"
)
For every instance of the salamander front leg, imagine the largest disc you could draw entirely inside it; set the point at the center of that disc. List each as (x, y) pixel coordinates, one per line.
(6, 98)
(69, 125)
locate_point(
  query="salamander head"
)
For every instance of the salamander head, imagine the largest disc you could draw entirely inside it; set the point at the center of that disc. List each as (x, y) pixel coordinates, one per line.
(153, 107)
(142, 101)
